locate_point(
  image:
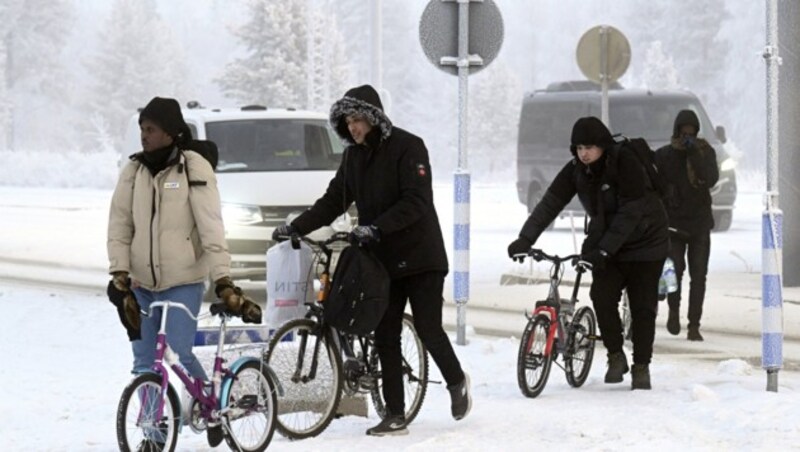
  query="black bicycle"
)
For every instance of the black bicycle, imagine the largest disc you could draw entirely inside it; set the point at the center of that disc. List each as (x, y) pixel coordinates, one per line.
(555, 328)
(316, 363)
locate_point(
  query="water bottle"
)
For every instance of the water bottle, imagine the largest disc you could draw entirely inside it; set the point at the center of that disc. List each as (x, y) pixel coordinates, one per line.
(670, 279)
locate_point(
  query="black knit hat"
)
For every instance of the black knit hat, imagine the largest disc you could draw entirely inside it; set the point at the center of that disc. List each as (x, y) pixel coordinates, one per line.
(166, 113)
(590, 131)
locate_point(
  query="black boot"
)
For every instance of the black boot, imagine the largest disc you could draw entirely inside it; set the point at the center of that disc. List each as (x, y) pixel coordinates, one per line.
(674, 322)
(694, 334)
(460, 399)
(617, 367)
(640, 377)
(390, 426)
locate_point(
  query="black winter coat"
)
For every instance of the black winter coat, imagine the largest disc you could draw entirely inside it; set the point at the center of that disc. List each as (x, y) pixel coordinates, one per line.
(627, 218)
(390, 181)
(690, 173)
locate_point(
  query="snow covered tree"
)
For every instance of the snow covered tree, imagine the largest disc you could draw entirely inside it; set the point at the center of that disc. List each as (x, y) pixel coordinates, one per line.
(138, 58)
(659, 69)
(295, 58)
(495, 99)
(32, 36)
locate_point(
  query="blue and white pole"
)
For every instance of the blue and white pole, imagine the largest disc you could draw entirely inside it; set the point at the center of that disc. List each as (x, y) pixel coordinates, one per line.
(772, 221)
(461, 251)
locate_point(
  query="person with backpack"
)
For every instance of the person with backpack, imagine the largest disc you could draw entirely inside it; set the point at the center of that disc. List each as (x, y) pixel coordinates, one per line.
(689, 164)
(165, 237)
(385, 170)
(626, 243)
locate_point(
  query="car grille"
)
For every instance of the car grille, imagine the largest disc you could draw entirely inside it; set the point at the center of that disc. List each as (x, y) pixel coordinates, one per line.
(275, 216)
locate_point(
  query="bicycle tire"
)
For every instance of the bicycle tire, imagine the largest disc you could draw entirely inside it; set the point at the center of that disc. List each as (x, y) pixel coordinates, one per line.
(578, 360)
(415, 372)
(253, 403)
(139, 400)
(533, 367)
(307, 406)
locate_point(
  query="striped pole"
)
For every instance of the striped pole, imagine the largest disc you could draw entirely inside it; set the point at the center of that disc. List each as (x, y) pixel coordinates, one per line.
(772, 220)
(461, 252)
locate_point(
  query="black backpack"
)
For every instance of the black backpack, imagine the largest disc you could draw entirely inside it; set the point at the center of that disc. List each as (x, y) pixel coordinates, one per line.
(647, 158)
(359, 292)
(206, 148)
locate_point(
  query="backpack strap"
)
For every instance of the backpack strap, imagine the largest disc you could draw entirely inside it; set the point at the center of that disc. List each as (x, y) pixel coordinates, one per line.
(185, 166)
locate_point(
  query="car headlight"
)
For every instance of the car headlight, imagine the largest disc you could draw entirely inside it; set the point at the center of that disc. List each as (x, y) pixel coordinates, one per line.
(727, 164)
(342, 223)
(241, 214)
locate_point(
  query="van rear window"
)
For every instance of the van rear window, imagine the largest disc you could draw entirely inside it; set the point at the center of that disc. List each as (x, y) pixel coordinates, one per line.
(274, 145)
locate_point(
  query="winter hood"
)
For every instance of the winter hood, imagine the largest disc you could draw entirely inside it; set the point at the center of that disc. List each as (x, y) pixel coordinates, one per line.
(590, 131)
(685, 117)
(362, 100)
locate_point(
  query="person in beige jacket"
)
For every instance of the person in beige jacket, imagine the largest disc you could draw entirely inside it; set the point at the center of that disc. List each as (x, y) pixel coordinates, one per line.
(166, 235)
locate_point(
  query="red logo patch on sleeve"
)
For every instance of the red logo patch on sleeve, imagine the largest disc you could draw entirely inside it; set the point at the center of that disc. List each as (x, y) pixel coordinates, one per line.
(421, 172)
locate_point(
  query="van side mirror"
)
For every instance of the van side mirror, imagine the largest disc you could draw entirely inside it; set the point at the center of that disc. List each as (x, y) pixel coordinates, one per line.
(721, 134)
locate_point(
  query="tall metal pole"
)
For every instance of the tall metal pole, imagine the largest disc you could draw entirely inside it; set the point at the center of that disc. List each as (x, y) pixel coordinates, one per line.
(604, 75)
(376, 35)
(462, 182)
(772, 219)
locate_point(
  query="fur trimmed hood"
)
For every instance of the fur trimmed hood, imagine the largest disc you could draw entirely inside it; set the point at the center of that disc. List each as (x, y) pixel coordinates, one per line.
(362, 100)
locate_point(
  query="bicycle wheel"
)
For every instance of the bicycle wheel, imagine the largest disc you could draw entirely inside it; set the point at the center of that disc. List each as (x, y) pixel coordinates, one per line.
(252, 403)
(578, 359)
(137, 411)
(309, 368)
(625, 316)
(415, 372)
(533, 367)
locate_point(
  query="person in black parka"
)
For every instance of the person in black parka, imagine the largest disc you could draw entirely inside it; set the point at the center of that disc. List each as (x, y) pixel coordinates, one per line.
(627, 239)
(385, 170)
(689, 165)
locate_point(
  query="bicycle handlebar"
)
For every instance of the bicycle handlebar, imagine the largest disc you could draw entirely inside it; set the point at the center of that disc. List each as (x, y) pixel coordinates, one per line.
(540, 255)
(173, 304)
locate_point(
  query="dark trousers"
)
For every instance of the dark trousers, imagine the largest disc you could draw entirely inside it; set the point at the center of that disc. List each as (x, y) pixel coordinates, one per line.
(640, 280)
(424, 292)
(694, 250)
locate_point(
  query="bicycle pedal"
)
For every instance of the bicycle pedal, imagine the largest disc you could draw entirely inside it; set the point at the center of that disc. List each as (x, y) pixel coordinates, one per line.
(247, 402)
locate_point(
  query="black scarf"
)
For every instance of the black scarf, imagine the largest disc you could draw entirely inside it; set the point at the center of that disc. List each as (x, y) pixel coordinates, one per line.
(157, 160)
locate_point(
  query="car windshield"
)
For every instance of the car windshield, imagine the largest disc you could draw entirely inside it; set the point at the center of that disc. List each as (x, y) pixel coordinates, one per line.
(654, 118)
(274, 145)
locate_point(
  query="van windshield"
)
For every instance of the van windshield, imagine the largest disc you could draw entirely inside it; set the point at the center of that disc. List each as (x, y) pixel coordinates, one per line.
(654, 118)
(275, 145)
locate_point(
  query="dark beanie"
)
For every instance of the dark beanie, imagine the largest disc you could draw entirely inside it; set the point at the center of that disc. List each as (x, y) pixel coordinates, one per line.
(685, 117)
(166, 113)
(590, 131)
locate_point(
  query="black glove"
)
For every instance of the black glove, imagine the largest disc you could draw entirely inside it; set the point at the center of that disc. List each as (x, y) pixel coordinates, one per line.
(236, 302)
(120, 295)
(283, 232)
(519, 246)
(597, 258)
(365, 234)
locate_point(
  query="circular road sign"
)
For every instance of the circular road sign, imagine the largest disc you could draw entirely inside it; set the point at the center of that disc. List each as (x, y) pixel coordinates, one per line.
(590, 53)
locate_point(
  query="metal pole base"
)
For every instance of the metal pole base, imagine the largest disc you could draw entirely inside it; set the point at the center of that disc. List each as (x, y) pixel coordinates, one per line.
(772, 380)
(461, 323)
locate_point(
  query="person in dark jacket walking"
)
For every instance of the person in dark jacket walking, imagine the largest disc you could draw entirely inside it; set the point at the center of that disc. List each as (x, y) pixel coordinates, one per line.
(689, 165)
(626, 242)
(386, 172)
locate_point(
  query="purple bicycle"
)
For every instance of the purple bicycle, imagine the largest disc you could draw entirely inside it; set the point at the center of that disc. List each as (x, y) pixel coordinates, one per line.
(241, 402)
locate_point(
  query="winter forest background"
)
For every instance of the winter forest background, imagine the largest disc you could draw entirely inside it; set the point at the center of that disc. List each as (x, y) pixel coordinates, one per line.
(76, 70)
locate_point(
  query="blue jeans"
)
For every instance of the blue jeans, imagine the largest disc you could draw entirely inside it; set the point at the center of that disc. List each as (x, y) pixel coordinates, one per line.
(180, 328)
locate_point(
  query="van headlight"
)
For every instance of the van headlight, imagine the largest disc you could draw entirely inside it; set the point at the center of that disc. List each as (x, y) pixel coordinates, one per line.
(342, 223)
(727, 164)
(241, 214)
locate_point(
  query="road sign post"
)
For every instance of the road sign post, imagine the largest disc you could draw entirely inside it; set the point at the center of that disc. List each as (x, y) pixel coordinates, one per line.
(461, 37)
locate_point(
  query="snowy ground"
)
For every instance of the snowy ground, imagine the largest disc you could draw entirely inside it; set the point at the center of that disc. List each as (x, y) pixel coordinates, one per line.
(70, 358)
(67, 361)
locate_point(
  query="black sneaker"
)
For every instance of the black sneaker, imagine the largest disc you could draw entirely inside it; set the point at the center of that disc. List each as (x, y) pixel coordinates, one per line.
(149, 445)
(694, 334)
(617, 367)
(640, 377)
(674, 322)
(389, 426)
(460, 399)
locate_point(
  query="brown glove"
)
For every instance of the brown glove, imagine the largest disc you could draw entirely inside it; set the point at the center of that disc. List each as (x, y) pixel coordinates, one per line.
(132, 311)
(121, 281)
(235, 301)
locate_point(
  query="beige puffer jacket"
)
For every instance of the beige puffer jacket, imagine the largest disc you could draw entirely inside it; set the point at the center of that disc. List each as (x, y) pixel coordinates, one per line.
(163, 231)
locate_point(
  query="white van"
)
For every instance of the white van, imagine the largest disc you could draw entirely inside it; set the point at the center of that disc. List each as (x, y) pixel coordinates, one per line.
(273, 164)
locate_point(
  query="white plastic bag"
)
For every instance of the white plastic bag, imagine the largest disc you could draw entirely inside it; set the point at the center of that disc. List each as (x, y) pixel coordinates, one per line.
(290, 283)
